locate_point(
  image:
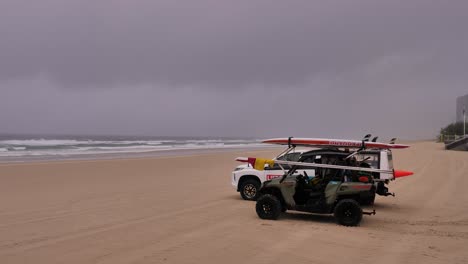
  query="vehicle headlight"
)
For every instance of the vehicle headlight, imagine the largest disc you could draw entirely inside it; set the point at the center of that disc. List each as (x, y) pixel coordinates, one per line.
(238, 169)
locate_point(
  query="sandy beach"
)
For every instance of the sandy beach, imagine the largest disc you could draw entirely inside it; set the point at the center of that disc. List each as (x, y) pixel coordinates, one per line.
(182, 209)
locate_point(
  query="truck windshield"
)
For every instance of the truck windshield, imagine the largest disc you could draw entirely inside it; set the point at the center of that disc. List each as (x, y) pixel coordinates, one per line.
(290, 156)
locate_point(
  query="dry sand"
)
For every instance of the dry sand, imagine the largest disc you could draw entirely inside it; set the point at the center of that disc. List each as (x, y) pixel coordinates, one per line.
(183, 210)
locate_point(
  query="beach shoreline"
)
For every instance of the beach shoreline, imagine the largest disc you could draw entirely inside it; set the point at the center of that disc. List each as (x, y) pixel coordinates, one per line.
(183, 209)
(128, 155)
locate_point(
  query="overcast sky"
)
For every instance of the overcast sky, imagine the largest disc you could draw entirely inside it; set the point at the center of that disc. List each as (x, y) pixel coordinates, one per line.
(254, 68)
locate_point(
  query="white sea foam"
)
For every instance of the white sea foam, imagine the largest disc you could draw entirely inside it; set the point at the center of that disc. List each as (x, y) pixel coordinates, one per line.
(67, 147)
(60, 142)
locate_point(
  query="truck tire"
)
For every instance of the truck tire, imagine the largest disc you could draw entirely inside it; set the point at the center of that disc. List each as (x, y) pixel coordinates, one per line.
(268, 207)
(368, 201)
(249, 189)
(348, 212)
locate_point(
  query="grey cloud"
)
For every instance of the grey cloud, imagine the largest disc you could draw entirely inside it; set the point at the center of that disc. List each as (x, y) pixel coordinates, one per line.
(233, 68)
(215, 43)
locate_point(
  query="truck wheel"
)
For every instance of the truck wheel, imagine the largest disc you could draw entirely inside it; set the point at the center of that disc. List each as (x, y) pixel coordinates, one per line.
(368, 200)
(268, 207)
(249, 189)
(348, 212)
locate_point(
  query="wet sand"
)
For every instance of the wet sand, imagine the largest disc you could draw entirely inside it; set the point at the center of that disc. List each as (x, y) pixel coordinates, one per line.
(184, 210)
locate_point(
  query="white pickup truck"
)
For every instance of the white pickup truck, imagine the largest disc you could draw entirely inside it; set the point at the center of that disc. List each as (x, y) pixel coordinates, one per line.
(248, 180)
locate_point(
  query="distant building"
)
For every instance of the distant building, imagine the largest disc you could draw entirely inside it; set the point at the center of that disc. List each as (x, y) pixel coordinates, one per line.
(462, 102)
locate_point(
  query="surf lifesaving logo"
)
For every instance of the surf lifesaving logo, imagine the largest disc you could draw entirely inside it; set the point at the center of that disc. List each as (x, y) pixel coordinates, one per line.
(272, 176)
(345, 144)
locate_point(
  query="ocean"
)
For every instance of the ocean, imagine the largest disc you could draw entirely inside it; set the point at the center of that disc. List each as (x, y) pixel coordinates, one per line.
(44, 147)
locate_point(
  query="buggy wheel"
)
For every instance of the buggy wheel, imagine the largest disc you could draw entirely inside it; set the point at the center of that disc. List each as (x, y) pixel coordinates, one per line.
(268, 207)
(249, 189)
(348, 212)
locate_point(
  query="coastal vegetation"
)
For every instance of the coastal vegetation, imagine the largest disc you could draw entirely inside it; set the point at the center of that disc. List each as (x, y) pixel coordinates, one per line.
(452, 131)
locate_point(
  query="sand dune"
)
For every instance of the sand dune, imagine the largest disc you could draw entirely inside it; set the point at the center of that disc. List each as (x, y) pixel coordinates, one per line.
(183, 210)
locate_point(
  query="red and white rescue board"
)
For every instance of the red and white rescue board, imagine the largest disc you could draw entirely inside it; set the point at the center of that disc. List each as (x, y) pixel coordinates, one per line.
(340, 143)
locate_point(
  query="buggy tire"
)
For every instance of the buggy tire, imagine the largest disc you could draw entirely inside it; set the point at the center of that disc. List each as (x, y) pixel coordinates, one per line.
(348, 212)
(249, 189)
(268, 207)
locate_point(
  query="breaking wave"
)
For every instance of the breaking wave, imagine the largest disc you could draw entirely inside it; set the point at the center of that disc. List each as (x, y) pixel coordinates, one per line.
(67, 147)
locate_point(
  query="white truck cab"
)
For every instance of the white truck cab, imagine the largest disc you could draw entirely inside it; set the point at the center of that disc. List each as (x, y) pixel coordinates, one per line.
(248, 180)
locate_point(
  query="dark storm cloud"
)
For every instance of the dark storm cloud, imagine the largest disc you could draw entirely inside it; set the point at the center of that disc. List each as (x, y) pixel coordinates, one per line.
(232, 67)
